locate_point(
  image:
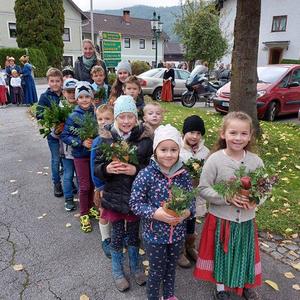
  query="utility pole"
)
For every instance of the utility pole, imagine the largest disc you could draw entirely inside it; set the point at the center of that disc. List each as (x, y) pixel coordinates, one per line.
(92, 22)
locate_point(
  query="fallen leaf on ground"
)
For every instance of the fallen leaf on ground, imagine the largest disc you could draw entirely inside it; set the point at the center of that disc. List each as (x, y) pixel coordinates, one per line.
(294, 236)
(289, 275)
(68, 225)
(293, 253)
(84, 297)
(45, 174)
(18, 267)
(39, 172)
(198, 221)
(141, 251)
(272, 284)
(44, 215)
(288, 230)
(12, 180)
(265, 245)
(296, 287)
(19, 160)
(146, 263)
(296, 266)
(15, 192)
(45, 168)
(77, 215)
(40, 217)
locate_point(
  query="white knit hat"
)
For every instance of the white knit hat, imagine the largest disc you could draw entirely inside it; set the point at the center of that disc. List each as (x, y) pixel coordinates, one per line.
(83, 88)
(166, 132)
(125, 103)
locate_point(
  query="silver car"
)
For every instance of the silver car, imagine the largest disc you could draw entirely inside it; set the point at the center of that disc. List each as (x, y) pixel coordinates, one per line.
(152, 81)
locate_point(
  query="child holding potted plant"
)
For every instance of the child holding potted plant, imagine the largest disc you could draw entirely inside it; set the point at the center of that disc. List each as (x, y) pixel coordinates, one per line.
(229, 251)
(161, 197)
(193, 153)
(126, 148)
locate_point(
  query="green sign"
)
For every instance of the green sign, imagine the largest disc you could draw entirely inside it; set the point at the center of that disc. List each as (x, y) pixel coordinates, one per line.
(112, 63)
(113, 46)
(112, 36)
(111, 55)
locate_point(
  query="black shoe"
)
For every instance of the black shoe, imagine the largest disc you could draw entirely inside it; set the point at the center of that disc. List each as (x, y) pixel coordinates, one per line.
(69, 204)
(251, 294)
(221, 296)
(58, 191)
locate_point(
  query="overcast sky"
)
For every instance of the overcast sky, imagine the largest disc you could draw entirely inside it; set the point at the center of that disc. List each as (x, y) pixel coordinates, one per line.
(115, 4)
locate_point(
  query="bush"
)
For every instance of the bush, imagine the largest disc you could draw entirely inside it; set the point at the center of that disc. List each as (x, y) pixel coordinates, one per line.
(111, 78)
(290, 61)
(37, 58)
(138, 67)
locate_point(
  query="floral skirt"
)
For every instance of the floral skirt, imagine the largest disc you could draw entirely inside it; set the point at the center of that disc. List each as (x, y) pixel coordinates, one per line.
(229, 254)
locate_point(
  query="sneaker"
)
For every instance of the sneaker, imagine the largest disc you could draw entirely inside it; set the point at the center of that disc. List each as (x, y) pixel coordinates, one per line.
(85, 224)
(94, 213)
(221, 295)
(58, 191)
(106, 247)
(251, 294)
(69, 205)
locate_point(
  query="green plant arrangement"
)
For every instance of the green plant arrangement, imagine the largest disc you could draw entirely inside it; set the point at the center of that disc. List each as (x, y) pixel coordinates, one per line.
(256, 185)
(194, 167)
(180, 200)
(121, 151)
(87, 127)
(100, 94)
(53, 116)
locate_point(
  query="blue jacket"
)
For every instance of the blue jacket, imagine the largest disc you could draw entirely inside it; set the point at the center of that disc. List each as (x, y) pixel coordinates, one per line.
(69, 138)
(149, 190)
(99, 184)
(45, 101)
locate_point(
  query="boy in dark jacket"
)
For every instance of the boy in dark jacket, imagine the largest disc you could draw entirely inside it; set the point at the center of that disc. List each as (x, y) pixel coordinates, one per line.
(81, 154)
(53, 94)
(118, 177)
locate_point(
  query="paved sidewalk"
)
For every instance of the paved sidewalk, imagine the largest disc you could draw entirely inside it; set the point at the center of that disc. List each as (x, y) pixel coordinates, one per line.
(61, 262)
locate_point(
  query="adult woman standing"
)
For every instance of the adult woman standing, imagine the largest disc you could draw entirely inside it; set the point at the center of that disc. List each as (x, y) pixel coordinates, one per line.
(28, 84)
(85, 63)
(167, 93)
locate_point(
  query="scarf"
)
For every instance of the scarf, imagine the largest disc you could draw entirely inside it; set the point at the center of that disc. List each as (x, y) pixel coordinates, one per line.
(89, 62)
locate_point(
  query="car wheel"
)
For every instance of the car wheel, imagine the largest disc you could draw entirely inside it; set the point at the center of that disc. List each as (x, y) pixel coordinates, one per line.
(188, 99)
(157, 94)
(271, 111)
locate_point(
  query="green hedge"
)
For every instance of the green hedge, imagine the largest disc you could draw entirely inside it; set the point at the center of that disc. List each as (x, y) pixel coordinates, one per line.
(36, 56)
(290, 61)
(111, 78)
(138, 67)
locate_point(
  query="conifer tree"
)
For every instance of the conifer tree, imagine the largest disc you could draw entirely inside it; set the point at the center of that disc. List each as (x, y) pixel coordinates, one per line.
(40, 24)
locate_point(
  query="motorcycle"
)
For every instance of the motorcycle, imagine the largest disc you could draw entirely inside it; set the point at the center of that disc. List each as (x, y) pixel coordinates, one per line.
(199, 88)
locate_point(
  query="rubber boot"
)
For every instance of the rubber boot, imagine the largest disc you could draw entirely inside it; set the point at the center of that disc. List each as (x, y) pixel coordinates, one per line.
(135, 266)
(191, 247)
(117, 271)
(182, 261)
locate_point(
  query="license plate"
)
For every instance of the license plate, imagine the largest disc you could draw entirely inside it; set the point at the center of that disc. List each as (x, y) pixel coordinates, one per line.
(225, 104)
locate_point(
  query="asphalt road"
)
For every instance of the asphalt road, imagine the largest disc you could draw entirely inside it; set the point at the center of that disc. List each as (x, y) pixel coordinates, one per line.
(61, 262)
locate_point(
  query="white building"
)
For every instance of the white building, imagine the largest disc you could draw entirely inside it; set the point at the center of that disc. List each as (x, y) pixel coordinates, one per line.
(138, 42)
(278, 37)
(72, 29)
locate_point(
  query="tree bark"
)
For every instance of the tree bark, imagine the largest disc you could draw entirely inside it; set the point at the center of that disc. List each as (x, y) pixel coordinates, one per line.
(244, 59)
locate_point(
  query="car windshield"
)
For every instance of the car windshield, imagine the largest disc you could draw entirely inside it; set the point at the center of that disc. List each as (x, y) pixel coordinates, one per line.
(150, 73)
(270, 74)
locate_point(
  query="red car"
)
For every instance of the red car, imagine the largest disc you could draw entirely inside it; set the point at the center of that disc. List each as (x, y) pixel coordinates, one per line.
(278, 92)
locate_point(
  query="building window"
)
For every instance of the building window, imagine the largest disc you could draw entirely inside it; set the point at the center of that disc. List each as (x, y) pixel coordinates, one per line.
(66, 35)
(279, 23)
(153, 44)
(126, 42)
(142, 44)
(12, 30)
(67, 61)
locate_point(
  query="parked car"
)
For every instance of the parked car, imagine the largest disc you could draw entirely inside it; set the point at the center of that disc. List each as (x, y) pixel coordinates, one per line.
(278, 92)
(152, 82)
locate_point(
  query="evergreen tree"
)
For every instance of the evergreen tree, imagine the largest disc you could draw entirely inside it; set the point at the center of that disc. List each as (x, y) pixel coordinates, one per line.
(40, 24)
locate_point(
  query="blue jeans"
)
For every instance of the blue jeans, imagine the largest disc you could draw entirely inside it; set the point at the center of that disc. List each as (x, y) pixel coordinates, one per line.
(69, 169)
(55, 158)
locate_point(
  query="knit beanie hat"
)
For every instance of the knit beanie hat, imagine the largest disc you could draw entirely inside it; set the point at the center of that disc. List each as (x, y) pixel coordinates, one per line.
(125, 103)
(166, 132)
(124, 65)
(83, 88)
(193, 123)
(70, 84)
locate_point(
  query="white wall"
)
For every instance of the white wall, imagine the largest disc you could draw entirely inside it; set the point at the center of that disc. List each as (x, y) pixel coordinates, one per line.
(7, 14)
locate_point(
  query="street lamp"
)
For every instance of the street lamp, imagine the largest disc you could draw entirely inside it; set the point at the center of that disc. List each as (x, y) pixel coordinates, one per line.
(156, 27)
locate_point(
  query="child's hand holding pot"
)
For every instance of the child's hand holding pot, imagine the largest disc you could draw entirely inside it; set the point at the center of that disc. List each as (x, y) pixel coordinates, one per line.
(162, 216)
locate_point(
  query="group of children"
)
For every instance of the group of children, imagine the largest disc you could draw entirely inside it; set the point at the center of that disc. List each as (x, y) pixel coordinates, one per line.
(123, 194)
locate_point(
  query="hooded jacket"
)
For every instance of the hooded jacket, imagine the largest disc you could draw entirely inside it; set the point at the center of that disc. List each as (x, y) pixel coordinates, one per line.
(69, 138)
(117, 187)
(150, 189)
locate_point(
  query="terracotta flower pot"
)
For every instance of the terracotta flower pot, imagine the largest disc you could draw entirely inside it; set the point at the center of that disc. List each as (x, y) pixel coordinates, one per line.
(169, 211)
(245, 193)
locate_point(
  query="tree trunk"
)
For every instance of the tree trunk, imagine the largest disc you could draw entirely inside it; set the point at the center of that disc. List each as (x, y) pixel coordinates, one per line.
(244, 59)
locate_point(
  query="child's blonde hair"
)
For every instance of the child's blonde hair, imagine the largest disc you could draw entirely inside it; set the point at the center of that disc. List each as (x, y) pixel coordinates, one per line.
(132, 80)
(97, 69)
(156, 104)
(235, 115)
(104, 108)
(53, 72)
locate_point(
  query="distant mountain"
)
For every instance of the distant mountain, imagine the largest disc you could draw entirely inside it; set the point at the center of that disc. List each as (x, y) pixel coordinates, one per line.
(167, 15)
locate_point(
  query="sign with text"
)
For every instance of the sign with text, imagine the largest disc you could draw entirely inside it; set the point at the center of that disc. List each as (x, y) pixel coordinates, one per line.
(111, 48)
